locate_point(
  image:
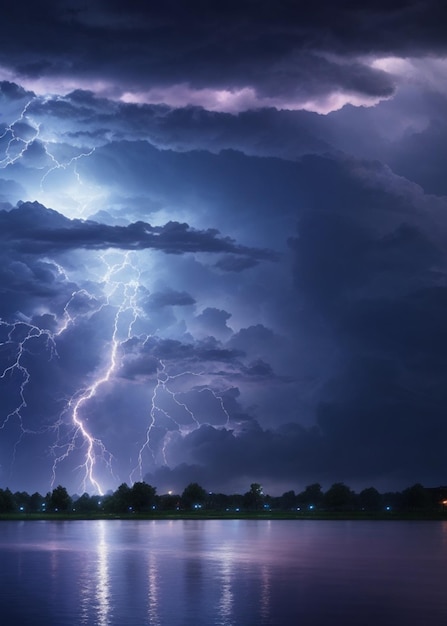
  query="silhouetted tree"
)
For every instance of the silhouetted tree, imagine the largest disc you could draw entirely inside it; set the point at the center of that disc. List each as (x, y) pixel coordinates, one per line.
(416, 498)
(59, 499)
(86, 504)
(312, 496)
(370, 499)
(235, 501)
(193, 496)
(168, 501)
(392, 500)
(22, 501)
(120, 500)
(7, 504)
(142, 496)
(254, 498)
(218, 501)
(288, 500)
(35, 502)
(339, 497)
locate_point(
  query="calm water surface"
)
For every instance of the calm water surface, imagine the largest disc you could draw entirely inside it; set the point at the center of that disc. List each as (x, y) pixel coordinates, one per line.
(241, 572)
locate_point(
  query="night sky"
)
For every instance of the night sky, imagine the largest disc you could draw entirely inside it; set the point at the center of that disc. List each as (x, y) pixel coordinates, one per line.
(223, 244)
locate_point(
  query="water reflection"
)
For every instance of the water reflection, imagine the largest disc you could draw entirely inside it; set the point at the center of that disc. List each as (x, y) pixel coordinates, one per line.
(116, 573)
(103, 582)
(265, 594)
(230, 558)
(225, 606)
(95, 581)
(153, 591)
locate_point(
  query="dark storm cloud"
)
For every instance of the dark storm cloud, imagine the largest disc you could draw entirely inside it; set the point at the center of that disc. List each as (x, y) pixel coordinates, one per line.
(198, 362)
(376, 425)
(98, 120)
(251, 338)
(285, 455)
(421, 156)
(260, 369)
(212, 321)
(25, 284)
(369, 267)
(389, 423)
(34, 229)
(162, 299)
(383, 298)
(154, 350)
(280, 50)
(338, 259)
(410, 124)
(209, 350)
(137, 361)
(367, 263)
(11, 92)
(232, 187)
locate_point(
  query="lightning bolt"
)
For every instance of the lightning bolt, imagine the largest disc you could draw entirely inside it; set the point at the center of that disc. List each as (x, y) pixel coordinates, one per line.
(170, 407)
(159, 415)
(16, 144)
(19, 341)
(121, 298)
(155, 409)
(18, 138)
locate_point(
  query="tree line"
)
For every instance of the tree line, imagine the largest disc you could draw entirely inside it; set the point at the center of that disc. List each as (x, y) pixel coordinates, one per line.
(143, 498)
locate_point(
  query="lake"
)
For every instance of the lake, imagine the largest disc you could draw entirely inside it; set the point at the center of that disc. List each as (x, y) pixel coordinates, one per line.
(223, 572)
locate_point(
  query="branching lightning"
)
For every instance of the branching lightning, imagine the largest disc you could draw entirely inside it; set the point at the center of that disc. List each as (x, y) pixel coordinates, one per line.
(16, 145)
(162, 386)
(19, 337)
(116, 298)
(18, 138)
(121, 298)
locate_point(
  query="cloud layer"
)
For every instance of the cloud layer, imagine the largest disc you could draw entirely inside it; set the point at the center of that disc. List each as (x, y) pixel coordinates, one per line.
(232, 55)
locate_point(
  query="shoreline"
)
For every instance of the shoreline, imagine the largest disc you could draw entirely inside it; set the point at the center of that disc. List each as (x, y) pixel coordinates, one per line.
(230, 515)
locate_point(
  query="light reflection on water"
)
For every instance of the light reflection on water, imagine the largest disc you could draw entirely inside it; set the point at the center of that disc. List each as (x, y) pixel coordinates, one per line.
(225, 604)
(223, 573)
(94, 588)
(153, 591)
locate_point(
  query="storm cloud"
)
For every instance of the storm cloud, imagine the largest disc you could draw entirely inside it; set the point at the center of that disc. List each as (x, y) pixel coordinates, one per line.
(223, 244)
(287, 52)
(34, 229)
